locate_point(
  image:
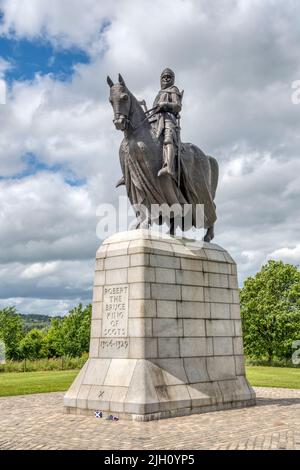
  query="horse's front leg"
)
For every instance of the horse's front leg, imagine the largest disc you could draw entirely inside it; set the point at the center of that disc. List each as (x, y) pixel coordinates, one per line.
(209, 234)
(143, 218)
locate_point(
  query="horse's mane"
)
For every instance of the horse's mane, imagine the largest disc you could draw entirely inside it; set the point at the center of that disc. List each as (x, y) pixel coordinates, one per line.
(137, 113)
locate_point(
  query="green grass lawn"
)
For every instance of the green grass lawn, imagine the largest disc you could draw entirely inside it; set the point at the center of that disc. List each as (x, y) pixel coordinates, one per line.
(281, 377)
(23, 383)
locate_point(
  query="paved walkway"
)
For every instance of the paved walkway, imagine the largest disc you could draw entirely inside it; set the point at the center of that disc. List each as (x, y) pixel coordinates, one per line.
(37, 422)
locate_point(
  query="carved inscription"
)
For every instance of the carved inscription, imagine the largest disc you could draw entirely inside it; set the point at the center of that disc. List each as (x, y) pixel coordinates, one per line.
(115, 313)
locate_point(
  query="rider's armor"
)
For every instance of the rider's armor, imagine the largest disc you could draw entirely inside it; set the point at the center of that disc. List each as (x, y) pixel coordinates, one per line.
(166, 123)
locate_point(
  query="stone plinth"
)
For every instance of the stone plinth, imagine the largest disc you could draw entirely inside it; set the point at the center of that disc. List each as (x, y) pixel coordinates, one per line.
(166, 336)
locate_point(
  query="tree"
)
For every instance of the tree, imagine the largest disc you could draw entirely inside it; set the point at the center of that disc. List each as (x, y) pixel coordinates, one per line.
(11, 331)
(53, 343)
(270, 310)
(75, 331)
(31, 345)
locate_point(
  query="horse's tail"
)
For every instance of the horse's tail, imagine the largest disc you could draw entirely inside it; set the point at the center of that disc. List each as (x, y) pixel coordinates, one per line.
(214, 175)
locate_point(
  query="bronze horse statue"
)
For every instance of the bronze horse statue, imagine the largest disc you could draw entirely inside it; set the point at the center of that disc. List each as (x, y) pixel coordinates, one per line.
(141, 159)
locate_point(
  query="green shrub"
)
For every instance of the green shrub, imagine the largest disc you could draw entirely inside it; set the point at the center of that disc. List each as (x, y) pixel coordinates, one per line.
(58, 363)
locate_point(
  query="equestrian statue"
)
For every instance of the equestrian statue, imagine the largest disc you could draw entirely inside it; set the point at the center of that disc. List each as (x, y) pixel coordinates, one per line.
(158, 169)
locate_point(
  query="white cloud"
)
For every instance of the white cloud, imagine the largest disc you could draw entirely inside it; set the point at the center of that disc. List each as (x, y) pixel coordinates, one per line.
(287, 254)
(41, 306)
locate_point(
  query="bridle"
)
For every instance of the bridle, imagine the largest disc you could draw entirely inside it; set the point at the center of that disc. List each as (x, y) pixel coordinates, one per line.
(128, 121)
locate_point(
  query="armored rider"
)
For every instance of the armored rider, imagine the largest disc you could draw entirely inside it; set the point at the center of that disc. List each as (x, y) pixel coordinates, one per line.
(167, 106)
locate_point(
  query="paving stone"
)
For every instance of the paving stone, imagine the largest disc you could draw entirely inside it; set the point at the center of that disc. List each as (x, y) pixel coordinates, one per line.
(37, 421)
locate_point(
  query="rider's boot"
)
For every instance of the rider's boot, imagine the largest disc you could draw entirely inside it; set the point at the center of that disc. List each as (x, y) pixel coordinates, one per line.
(168, 157)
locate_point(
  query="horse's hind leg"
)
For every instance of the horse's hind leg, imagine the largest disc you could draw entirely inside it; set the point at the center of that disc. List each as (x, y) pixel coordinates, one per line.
(171, 230)
(209, 234)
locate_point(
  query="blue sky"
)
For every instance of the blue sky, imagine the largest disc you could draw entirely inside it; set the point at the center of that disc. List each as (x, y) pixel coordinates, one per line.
(59, 149)
(29, 58)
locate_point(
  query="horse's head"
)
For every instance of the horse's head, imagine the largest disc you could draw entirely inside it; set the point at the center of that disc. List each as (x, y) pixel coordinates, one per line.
(120, 100)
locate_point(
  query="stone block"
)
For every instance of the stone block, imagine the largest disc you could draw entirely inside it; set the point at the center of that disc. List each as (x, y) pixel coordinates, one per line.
(99, 278)
(218, 268)
(97, 294)
(120, 372)
(196, 370)
(116, 276)
(204, 393)
(139, 259)
(218, 280)
(116, 262)
(194, 327)
(96, 328)
(83, 393)
(94, 347)
(99, 264)
(117, 249)
(215, 255)
(219, 328)
(236, 389)
(164, 261)
(118, 398)
(140, 348)
(172, 370)
(220, 311)
(141, 274)
(140, 308)
(162, 247)
(189, 278)
(193, 347)
(239, 365)
(97, 310)
(141, 396)
(101, 252)
(235, 311)
(165, 327)
(168, 347)
(232, 282)
(99, 397)
(195, 310)
(140, 246)
(173, 396)
(139, 290)
(220, 368)
(192, 264)
(117, 347)
(140, 327)
(238, 345)
(235, 296)
(96, 371)
(216, 294)
(223, 346)
(165, 276)
(238, 328)
(192, 293)
(166, 308)
(165, 292)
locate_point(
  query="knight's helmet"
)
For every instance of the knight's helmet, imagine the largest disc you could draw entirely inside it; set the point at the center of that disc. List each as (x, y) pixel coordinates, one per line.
(170, 72)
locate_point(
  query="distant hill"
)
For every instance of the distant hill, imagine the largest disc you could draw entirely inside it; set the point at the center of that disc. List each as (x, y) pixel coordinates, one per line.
(33, 320)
